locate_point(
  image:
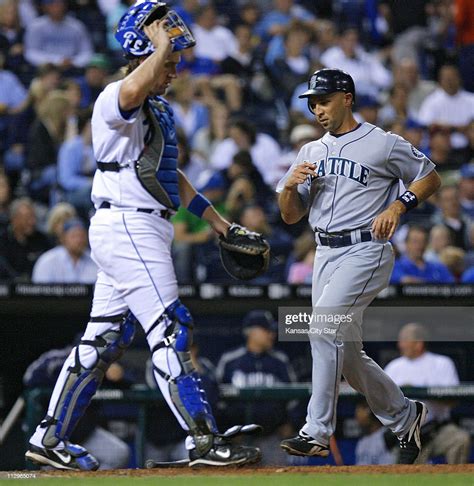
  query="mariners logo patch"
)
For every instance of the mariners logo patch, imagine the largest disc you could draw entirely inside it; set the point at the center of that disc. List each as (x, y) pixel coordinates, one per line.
(416, 152)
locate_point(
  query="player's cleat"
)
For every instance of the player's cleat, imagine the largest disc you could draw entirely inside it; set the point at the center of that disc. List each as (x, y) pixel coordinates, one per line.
(304, 445)
(222, 453)
(410, 443)
(72, 457)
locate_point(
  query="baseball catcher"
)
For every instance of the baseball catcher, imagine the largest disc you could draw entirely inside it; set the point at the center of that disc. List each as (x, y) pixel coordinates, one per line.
(137, 188)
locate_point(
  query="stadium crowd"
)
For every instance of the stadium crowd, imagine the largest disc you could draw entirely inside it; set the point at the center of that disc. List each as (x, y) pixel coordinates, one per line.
(240, 123)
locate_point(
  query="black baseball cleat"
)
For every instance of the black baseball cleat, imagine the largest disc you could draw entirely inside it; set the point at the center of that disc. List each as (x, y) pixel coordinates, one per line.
(304, 445)
(410, 443)
(225, 454)
(73, 457)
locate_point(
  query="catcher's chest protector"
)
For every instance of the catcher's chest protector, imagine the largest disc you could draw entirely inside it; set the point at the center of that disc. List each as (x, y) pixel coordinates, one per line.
(156, 168)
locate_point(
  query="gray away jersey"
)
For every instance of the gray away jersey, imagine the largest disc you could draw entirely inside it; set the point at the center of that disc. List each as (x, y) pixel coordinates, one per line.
(358, 176)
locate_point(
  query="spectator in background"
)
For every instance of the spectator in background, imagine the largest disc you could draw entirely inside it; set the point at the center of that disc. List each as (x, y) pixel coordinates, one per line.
(48, 79)
(367, 109)
(263, 148)
(11, 38)
(407, 73)
(254, 218)
(57, 216)
(192, 164)
(468, 153)
(46, 134)
(304, 251)
(76, 167)
(190, 114)
(57, 38)
(440, 151)
(464, 21)
(299, 136)
(21, 243)
(450, 215)
(408, 22)
(257, 364)
(275, 22)
(12, 97)
(372, 447)
(411, 266)
(397, 107)
(453, 258)
(369, 74)
(94, 80)
(213, 41)
(208, 138)
(5, 197)
(466, 190)
(440, 238)
(69, 262)
(419, 367)
(113, 13)
(415, 134)
(291, 67)
(449, 106)
(249, 15)
(246, 63)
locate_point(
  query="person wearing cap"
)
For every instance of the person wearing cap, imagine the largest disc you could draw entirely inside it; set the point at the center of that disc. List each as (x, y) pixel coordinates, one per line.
(57, 38)
(69, 262)
(94, 79)
(258, 364)
(367, 109)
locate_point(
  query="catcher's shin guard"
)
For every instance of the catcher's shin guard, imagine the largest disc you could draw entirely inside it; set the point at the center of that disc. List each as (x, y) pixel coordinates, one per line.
(91, 361)
(185, 386)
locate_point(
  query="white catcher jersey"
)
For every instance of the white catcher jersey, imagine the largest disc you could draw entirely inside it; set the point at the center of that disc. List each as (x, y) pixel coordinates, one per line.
(358, 176)
(116, 139)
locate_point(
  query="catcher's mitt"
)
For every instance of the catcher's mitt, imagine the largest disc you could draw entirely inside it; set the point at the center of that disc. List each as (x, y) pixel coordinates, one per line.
(244, 254)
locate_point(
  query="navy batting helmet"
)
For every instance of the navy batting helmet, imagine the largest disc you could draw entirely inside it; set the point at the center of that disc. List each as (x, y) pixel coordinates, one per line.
(326, 81)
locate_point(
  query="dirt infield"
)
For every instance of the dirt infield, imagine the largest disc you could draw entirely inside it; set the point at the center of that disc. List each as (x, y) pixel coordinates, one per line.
(214, 471)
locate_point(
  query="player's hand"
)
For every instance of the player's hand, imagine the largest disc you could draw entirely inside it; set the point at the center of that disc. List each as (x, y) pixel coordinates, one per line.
(158, 36)
(300, 174)
(386, 223)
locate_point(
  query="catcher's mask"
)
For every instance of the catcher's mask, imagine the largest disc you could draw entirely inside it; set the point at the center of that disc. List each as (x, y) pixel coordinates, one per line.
(132, 37)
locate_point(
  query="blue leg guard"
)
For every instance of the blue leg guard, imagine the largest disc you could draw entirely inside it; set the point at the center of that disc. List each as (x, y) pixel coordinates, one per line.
(185, 389)
(82, 382)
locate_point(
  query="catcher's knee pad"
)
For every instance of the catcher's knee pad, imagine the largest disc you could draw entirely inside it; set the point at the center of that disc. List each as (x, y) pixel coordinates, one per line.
(184, 383)
(91, 360)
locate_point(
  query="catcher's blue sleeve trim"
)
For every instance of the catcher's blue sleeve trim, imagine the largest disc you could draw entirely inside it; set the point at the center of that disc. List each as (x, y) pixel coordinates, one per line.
(198, 205)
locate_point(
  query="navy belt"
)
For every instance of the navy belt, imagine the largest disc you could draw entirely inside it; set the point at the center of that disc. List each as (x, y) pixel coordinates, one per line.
(343, 239)
(109, 166)
(164, 213)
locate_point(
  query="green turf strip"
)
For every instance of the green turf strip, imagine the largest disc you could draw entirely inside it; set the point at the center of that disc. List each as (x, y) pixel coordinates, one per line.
(270, 480)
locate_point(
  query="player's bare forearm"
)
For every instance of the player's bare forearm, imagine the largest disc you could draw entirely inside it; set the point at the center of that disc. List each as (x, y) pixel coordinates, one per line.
(186, 189)
(187, 192)
(138, 84)
(291, 205)
(386, 223)
(425, 187)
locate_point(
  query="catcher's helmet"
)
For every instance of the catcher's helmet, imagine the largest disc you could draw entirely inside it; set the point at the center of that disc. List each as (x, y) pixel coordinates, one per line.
(132, 37)
(326, 81)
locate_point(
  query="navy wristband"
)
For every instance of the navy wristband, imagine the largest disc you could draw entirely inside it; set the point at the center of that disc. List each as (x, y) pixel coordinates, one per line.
(409, 200)
(198, 205)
